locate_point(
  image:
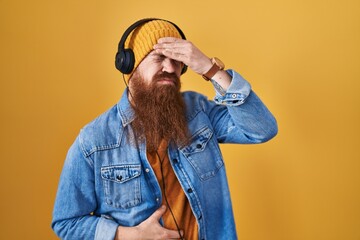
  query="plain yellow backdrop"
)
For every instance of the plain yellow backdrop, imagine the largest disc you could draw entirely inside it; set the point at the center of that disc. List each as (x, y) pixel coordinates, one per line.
(302, 57)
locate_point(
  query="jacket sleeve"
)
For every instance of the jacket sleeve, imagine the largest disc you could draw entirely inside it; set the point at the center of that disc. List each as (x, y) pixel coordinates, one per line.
(239, 116)
(73, 214)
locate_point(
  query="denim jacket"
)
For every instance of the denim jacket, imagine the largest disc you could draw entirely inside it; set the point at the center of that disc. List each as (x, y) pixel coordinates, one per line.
(107, 180)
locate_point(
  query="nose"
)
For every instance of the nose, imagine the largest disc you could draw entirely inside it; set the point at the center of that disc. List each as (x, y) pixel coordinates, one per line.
(169, 65)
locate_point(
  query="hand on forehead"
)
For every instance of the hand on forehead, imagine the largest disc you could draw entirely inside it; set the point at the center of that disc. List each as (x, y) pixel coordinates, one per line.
(183, 51)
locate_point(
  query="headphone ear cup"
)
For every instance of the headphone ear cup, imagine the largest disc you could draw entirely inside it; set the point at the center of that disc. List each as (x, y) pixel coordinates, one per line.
(118, 61)
(183, 70)
(125, 61)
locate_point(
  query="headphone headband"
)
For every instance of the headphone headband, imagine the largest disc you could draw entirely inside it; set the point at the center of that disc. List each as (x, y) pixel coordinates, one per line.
(140, 22)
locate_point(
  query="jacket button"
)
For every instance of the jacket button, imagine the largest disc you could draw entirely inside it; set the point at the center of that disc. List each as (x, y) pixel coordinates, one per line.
(189, 190)
(198, 145)
(175, 160)
(119, 177)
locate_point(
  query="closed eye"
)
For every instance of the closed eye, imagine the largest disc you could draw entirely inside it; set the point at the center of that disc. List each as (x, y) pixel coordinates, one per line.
(158, 57)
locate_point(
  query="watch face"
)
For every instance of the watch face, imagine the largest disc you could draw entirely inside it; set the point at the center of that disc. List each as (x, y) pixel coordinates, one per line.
(218, 62)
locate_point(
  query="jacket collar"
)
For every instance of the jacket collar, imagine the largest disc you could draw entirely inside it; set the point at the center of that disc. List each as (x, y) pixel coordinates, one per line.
(127, 114)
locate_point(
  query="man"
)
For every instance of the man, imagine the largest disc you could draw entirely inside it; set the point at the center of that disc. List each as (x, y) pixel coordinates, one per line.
(151, 167)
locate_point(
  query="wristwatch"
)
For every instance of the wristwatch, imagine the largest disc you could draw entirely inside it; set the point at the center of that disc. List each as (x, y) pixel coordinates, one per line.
(217, 66)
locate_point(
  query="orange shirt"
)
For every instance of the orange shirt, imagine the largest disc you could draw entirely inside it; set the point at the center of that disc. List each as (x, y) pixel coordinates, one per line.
(175, 196)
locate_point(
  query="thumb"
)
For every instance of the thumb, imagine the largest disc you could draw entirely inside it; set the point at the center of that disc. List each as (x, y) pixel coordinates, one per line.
(159, 212)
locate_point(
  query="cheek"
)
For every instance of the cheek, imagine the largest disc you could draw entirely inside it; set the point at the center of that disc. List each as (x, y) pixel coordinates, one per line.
(179, 71)
(148, 74)
(147, 77)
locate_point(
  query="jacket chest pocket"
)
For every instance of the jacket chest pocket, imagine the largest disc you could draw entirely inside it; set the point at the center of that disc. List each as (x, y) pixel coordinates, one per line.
(122, 185)
(203, 153)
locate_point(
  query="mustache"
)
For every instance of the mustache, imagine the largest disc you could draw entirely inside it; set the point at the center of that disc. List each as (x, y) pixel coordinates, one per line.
(161, 75)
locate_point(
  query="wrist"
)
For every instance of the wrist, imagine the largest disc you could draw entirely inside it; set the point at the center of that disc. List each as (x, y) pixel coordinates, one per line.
(216, 66)
(127, 233)
(208, 64)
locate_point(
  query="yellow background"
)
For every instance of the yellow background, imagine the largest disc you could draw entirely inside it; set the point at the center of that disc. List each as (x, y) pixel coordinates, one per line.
(302, 57)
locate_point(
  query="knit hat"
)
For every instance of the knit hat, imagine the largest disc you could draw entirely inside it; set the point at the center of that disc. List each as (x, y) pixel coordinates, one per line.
(145, 36)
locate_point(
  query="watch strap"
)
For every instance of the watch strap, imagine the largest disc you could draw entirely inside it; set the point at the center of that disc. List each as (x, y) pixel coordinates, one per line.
(212, 71)
(217, 66)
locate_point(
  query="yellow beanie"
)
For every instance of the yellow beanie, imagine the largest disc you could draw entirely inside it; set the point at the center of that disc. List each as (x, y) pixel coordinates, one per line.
(144, 37)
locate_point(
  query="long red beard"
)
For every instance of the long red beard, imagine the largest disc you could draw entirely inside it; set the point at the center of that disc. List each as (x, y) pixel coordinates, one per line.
(160, 110)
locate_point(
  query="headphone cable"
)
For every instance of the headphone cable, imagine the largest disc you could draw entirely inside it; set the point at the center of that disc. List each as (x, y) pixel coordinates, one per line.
(165, 197)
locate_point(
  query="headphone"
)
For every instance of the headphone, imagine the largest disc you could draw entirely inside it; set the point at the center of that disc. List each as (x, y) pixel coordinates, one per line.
(125, 58)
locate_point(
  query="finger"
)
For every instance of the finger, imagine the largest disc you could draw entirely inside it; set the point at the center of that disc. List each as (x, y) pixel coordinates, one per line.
(173, 234)
(169, 42)
(170, 39)
(174, 45)
(177, 56)
(159, 212)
